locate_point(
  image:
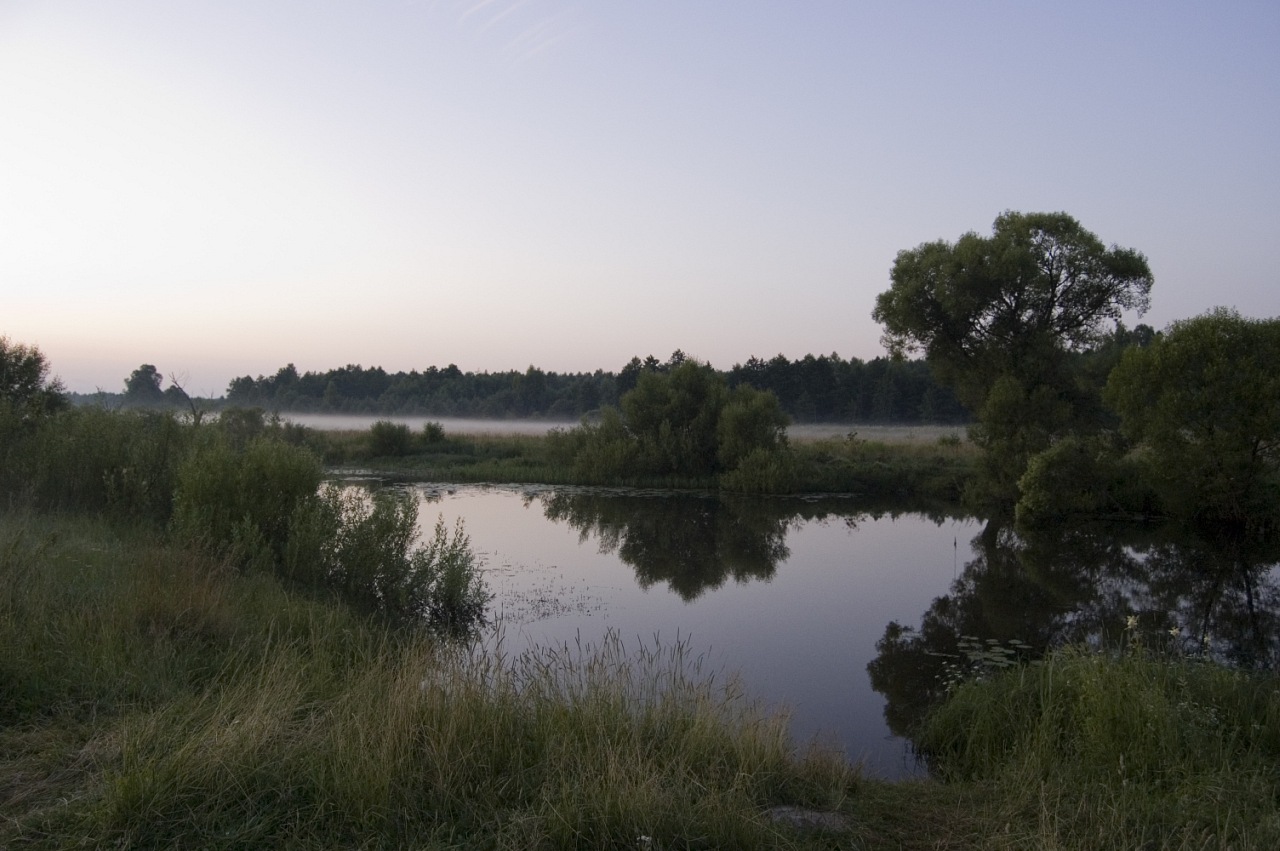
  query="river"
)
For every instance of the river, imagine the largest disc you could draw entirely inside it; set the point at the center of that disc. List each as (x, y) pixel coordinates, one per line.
(851, 619)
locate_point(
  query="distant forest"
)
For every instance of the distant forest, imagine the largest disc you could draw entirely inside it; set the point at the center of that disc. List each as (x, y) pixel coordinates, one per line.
(826, 388)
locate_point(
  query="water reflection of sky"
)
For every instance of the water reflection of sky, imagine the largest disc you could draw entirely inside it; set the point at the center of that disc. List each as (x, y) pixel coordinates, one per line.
(801, 637)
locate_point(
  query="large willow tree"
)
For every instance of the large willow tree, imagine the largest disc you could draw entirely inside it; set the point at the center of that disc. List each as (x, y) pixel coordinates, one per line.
(997, 317)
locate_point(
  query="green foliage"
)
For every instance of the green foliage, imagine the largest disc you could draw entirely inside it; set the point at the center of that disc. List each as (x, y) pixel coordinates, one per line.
(142, 387)
(1080, 477)
(897, 472)
(361, 547)
(241, 503)
(1203, 402)
(674, 417)
(985, 307)
(1001, 320)
(762, 471)
(825, 388)
(1016, 421)
(600, 452)
(432, 434)
(26, 390)
(389, 439)
(242, 426)
(262, 506)
(828, 388)
(679, 422)
(750, 422)
(90, 459)
(1135, 751)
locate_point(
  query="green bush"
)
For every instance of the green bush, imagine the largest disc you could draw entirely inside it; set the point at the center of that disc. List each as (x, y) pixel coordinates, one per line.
(432, 433)
(242, 504)
(762, 472)
(750, 422)
(26, 390)
(361, 547)
(1080, 477)
(242, 426)
(389, 439)
(681, 424)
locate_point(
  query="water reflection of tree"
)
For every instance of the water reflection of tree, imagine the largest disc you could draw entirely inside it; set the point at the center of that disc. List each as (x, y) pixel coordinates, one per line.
(1079, 585)
(693, 543)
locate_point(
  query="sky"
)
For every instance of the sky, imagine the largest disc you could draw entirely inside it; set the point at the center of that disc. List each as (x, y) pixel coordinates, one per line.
(222, 188)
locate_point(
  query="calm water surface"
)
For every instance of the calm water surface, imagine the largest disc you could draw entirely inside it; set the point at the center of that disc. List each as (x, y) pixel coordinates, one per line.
(793, 596)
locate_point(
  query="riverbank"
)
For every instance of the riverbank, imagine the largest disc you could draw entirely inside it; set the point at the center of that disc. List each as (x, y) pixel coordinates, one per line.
(153, 697)
(902, 466)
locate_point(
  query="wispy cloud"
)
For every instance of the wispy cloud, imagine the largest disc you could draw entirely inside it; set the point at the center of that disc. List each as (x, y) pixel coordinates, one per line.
(541, 37)
(529, 28)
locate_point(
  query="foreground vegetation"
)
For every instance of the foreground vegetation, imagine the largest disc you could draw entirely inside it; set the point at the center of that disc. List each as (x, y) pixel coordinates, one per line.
(155, 696)
(1136, 750)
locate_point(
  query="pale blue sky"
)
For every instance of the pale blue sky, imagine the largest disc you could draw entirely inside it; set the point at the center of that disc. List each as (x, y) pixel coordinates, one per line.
(220, 188)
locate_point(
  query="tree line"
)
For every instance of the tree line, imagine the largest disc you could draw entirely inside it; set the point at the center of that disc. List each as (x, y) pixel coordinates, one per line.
(825, 388)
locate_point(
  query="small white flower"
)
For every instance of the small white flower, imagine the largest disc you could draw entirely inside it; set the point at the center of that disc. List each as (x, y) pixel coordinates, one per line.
(1131, 622)
(1175, 631)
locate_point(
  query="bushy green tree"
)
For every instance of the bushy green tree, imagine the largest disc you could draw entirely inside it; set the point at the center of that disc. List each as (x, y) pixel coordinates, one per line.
(678, 422)
(388, 439)
(26, 390)
(674, 416)
(750, 421)
(142, 387)
(998, 319)
(1203, 403)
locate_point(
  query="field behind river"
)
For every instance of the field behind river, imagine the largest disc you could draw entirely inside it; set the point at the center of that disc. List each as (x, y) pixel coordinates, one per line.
(461, 426)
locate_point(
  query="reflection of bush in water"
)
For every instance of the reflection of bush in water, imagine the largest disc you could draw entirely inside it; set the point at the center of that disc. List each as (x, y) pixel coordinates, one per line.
(691, 543)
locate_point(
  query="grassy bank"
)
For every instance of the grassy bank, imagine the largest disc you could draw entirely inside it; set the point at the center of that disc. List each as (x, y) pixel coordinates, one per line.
(1135, 750)
(151, 696)
(930, 471)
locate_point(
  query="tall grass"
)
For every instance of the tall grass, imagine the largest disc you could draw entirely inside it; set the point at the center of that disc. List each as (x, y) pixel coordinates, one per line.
(1139, 751)
(929, 472)
(222, 711)
(542, 750)
(90, 459)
